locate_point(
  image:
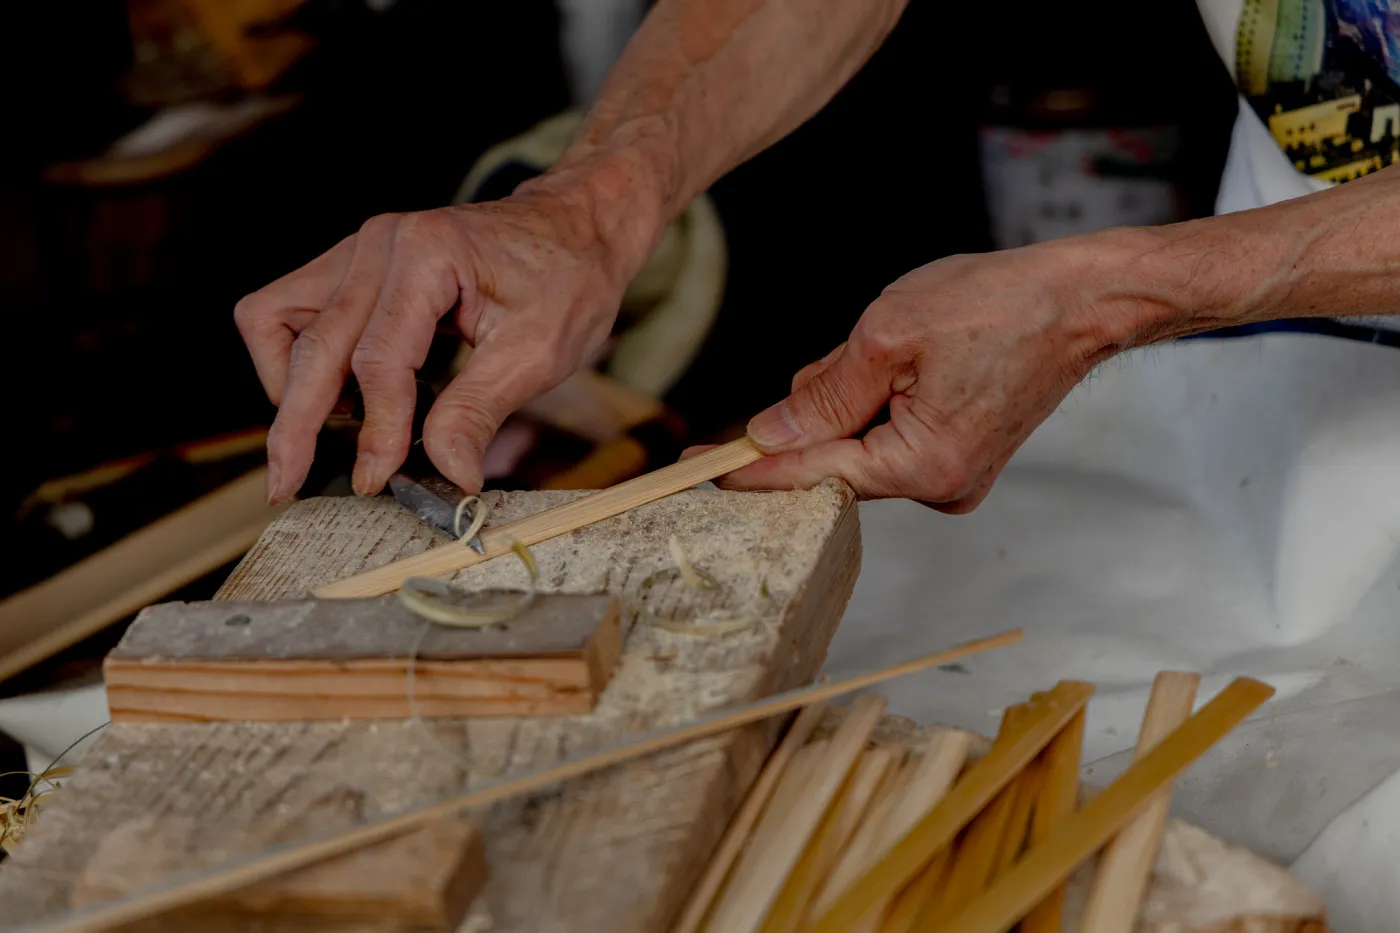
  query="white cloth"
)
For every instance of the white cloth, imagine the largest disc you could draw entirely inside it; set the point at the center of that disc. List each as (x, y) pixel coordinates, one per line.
(1225, 506)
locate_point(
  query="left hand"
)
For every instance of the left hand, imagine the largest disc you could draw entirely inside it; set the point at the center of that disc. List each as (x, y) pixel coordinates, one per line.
(969, 353)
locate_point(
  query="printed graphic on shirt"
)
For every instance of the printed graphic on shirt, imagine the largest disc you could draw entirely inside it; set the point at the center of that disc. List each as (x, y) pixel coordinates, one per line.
(1324, 75)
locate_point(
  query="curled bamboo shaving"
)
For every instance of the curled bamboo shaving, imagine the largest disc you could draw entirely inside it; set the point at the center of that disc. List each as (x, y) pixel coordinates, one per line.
(438, 602)
(699, 629)
(695, 579)
(18, 814)
(478, 518)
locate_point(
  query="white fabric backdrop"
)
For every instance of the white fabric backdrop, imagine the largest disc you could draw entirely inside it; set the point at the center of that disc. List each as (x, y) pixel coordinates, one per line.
(1225, 506)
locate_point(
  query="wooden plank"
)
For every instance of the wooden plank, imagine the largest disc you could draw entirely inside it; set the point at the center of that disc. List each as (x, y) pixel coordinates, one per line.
(41, 621)
(304, 660)
(742, 825)
(425, 879)
(617, 850)
(762, 870)
(1046, 716)
(497, 541)
(1059, 795)
(1075, 839)
(1127, 861)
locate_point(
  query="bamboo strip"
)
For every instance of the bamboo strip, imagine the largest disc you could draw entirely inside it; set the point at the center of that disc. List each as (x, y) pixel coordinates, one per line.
(190, 887)
(1126, 864)
(762, 869)
(550, 523)
(1059, 794)
(871, 773)
(924, 785)
(983, 781)
(742, 824)
(976, 857)
(786, 797)
(909, 904)
(1028, 787)
(1079, 836)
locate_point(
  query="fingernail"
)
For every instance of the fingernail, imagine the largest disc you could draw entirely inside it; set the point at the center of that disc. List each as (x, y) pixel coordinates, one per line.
(775, 427)
(273, 477)
(362, 481)
(464, 464)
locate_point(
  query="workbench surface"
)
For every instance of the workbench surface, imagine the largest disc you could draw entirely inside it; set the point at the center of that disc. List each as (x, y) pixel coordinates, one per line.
(615, 851)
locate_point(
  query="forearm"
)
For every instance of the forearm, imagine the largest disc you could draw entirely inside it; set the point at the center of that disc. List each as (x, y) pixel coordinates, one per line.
(702, 86)
(1331, 254)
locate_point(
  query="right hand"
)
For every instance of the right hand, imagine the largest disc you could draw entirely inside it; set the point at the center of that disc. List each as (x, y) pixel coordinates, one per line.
(528, 281)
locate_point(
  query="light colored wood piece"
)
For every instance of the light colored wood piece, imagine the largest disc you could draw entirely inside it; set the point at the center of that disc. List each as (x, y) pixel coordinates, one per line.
(41, 621)
(1198, 883)
(794, 901)
(924, 784)
(1076, 838)
(742, 825)
(617, 850)
(974, 861)
(786, 797)
(301, 660)
(919, 896)
(762, 870)
(192, 887)
(1059, 794)
(1126, 863)
(1018, 826)
(426, 879)
(497, 542)
(983, 781)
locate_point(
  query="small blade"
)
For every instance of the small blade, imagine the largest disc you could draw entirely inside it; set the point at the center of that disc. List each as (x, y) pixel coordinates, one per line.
(433, 499)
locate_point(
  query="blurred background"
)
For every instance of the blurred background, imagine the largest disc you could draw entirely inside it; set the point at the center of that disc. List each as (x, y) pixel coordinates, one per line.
(163, 158)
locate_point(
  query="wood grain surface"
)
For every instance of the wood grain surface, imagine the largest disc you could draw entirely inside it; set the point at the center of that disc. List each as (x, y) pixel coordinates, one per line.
(617, 850)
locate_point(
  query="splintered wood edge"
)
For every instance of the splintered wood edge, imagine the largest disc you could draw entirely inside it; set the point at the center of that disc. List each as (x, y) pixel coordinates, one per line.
(1077, 837)
(550, 523)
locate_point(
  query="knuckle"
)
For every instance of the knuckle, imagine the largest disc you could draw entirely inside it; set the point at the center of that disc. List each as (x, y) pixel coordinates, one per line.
(311, 345)
(249, 310)
(425, 226)
(380, 224)
(374, 352)
(828, 398)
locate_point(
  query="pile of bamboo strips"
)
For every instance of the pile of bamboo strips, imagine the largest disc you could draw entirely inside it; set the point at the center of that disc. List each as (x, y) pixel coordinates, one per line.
(843, 833)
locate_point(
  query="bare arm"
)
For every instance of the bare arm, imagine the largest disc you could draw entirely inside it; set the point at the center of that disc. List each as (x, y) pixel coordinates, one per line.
(971, 353)
(534, 280)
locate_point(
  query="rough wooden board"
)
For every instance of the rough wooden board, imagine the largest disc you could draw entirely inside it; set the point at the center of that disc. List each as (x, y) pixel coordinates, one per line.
(553, 625)
(300, 660)
(425, 879)
(615, 851)
(1199, 884)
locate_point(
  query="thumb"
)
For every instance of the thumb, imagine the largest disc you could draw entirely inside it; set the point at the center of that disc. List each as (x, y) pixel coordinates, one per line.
(834, 403)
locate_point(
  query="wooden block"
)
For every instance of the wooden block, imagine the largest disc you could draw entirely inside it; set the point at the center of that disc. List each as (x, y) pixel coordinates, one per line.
(499, 540)
(303, 660)
(425, 879)
(616, 850)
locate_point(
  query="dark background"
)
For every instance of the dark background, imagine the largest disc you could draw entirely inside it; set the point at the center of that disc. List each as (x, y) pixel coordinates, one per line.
(116, 303)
